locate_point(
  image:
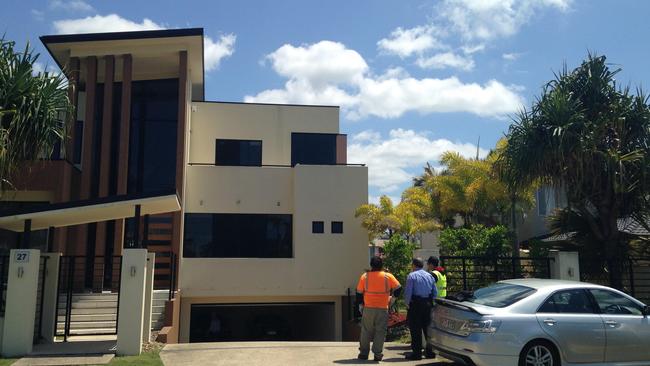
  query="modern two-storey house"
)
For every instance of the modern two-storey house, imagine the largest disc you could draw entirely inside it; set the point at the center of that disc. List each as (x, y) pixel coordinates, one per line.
(260, 197)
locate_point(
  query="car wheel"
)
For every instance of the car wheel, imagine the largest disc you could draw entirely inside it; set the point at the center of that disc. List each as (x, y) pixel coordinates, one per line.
(539, 353)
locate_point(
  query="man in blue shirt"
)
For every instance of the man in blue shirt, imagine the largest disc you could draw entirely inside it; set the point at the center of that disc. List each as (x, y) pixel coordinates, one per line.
(418, 296)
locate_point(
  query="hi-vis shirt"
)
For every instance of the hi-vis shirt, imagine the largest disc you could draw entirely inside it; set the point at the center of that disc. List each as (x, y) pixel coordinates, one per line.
(376, 287)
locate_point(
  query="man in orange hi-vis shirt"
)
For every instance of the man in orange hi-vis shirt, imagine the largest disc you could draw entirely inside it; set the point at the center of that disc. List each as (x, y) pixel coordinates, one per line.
(374, 291)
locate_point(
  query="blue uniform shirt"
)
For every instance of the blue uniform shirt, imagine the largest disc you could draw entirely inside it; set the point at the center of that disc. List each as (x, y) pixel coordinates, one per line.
(420, 283)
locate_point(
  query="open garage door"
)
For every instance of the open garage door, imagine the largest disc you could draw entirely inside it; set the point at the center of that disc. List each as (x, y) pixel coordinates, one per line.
(262, 322)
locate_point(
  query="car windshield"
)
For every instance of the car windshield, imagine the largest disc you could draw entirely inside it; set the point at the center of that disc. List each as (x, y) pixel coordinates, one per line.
(500, 295)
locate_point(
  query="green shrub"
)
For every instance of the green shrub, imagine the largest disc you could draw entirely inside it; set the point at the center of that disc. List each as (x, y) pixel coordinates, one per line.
(476, 240)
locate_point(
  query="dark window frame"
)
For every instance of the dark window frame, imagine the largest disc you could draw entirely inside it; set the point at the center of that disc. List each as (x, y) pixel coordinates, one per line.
(332, 227)
(295, 156)
(216, 153)
(318, 227)
(222, 235)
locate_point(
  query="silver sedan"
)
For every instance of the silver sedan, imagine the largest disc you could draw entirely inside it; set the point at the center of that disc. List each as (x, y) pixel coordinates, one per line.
(534, 322)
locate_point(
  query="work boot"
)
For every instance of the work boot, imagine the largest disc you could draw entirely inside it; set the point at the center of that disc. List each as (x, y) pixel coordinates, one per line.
(413, 356)
(378, 357)
(362, 356)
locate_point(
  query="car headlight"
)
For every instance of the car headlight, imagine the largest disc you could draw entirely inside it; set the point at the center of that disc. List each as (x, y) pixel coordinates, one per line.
(480, 326)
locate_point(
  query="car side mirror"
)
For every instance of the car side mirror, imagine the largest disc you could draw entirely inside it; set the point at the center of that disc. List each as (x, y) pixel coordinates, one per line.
(646, 310)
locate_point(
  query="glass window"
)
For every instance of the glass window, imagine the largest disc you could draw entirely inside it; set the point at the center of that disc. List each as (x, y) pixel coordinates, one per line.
(238, 152)
(337, 227)
(541, 202)
(612, 303)
(500, 295)
(317, 227)
(313, 148)
(238, 236)
(78, 139)
(152, 137)
(568, 302)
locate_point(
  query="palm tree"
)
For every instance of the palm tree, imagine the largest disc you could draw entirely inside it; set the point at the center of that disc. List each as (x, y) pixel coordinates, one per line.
(591, 138)
(32, 110)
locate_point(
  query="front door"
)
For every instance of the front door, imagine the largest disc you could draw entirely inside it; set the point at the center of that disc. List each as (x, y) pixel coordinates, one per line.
(627, 330)
(569, 318)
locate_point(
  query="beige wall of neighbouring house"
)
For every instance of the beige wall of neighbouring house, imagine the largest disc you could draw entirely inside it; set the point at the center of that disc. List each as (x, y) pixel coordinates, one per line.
(535, 221)
(187, 302)
(322, 264)
(273, 124)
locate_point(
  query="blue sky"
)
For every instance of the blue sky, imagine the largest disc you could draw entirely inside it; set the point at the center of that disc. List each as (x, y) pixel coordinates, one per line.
(414, 78)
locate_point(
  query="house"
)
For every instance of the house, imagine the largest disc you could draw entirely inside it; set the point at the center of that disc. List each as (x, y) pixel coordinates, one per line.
(248, 207)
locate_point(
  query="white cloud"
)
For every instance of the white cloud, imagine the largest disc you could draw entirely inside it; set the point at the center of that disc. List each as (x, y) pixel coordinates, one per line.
(513, 56)
(71, 5)
(213, 51)
(39, 68)
(393, 162)
(103, 23)
(446, 60)
(486, 20)
(38, 14)
(329, 73)
(320, 63)
(405, 42)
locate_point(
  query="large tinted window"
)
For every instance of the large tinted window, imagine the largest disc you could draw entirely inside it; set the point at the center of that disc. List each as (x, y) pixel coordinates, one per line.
(239, 152)
(612, 303)
(152, 139)
(500, 295)
(237, 236)
(573, 301)
(313, 148)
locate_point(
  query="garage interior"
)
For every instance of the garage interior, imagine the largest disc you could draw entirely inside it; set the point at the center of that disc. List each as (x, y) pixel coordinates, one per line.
(262, 322)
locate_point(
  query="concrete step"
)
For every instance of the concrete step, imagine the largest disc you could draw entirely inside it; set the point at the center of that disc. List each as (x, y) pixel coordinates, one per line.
(90, 304)
(88, 325)
(88, 311)
(91, 331)
(158, 302)
(90, 317)
(90, 296)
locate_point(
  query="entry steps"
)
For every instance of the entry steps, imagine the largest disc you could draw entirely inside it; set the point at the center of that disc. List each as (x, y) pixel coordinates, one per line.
(96, 313)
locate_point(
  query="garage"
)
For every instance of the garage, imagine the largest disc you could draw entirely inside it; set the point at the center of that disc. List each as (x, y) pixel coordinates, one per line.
(262, 322)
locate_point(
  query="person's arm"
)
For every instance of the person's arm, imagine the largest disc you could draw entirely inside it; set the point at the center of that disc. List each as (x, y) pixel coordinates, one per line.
(434, 290)
(408, 292)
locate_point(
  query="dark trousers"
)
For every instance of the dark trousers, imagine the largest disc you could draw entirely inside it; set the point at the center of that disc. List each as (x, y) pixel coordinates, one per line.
(419, 316)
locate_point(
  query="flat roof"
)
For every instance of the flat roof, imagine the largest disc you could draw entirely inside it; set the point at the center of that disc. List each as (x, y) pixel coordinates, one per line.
(112, 36)
(89, 211)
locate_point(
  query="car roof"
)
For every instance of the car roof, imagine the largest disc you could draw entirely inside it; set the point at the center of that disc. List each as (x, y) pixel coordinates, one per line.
(541, 283)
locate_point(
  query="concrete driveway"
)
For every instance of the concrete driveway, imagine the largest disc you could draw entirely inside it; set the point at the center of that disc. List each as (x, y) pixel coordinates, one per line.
(282, 354)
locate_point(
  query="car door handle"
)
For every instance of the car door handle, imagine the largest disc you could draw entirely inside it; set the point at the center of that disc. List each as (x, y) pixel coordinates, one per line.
(611, 323)
(550, 322)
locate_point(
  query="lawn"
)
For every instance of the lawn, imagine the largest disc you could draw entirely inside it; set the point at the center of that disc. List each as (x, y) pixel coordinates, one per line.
(7, 361)
(149, 357)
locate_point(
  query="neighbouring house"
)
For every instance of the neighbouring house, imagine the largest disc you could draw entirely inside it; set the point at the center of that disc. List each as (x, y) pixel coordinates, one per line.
(249, 207)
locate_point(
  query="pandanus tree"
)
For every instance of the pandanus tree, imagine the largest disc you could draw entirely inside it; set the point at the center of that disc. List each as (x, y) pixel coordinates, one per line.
(591, 138)
(33, 107)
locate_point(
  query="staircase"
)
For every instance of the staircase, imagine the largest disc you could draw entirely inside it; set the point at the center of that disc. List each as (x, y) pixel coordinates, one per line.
(158, 302)
(92, 313)
(96, 313)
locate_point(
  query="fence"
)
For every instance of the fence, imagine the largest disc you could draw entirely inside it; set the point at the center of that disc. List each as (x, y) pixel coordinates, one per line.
(632, 276)
(4, 275)
(470, 273)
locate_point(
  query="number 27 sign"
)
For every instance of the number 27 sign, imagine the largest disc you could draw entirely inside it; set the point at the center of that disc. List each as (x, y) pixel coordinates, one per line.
(22, 256)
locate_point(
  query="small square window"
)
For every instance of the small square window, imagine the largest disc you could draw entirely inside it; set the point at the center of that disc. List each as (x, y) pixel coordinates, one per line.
(337, 227)
(317, 227)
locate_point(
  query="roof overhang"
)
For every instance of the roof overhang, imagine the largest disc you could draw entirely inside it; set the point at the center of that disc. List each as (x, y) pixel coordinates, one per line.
(154, 53)
(88, 211)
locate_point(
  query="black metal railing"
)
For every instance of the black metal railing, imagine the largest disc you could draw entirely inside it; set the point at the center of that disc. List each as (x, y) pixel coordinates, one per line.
(631, 275)
(73, 280)
(4, 275)
(469, 273)
(40, 294)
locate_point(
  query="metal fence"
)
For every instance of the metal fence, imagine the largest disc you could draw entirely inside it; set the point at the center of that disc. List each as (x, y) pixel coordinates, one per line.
(632, 276)
(470, 273)
(4, 275)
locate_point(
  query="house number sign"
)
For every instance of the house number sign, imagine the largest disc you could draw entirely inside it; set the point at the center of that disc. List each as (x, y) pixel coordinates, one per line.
(22, 256)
